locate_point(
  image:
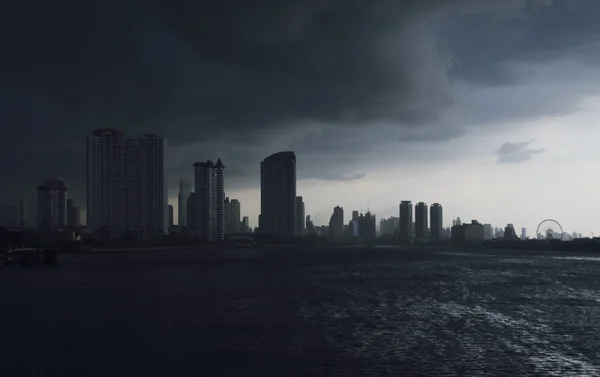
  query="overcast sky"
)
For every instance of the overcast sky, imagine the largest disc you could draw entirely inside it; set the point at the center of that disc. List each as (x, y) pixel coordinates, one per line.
(487, 107)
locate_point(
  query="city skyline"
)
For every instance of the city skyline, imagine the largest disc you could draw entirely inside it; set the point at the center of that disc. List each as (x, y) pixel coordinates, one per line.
(172, 213)
(488, 109)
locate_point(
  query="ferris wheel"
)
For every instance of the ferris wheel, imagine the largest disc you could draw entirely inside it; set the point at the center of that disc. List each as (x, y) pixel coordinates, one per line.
(549, 229)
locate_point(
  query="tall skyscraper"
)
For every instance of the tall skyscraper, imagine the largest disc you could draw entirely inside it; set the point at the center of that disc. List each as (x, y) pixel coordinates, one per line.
(191, 214)
(336, 223)
(227, 215)
(127, 182)
(389, 226)
(170, 215)
(278, 194)
(406, 219)
(209, 200)
(235, 215)
(509, 232)
(246, 225)
(366, 226)
(182, 201)
(52, 204)
(488, 232)
(300, 219)
(310, 227)
(421, 222)
(73, 213)
(436, 221)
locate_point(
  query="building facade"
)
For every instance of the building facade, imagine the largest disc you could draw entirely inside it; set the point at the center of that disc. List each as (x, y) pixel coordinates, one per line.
(406, 219)
(336, 224)
(300, 217)
(421, 223)
(246, 225)
(170, 215)
(209, 200)
(488, 232)
(436, 227)
(52, 204)
(182, 201)
(127, 182)
(73, 213)
(366, 226)
(235, 216)
(278, 194)
(389, 227)
(191, 215)
(473, 233)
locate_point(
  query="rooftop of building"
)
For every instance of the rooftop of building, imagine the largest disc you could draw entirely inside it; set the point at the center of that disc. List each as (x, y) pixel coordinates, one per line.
(210, 164)
(57, 184)
(281, 156)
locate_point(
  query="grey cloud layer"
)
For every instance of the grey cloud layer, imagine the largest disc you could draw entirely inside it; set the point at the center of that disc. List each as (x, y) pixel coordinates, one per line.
(511, 152)
(231, 73)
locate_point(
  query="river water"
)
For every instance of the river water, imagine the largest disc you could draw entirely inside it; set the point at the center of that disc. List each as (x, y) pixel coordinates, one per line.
(355, 311)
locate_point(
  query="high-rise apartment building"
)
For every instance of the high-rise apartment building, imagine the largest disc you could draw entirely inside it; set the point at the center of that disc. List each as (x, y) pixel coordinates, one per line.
(191, 214)
(421, 222)
(127, 182)
(52, 204)
(278, 194)
(366, 226)
(488, 232)
(182, 202)
(227, 215)
(209, 200)
(300, 219)
(436, 227)
(389, 226)
(235, 216)
(73, 213)
(509, 232)
(232, 216)
(336, 223)
(310, 227)
(170, 215)
(406, 219)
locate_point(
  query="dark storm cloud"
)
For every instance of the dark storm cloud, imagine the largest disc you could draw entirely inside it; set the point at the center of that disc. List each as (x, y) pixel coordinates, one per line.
(541, 31)
(512, 153)
(231, 73)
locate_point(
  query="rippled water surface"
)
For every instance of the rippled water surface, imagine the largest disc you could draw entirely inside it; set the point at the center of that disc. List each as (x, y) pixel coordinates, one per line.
(357, 311)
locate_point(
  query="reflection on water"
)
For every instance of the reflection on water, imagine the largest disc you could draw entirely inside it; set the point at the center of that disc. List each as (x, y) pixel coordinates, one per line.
(502, 314)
